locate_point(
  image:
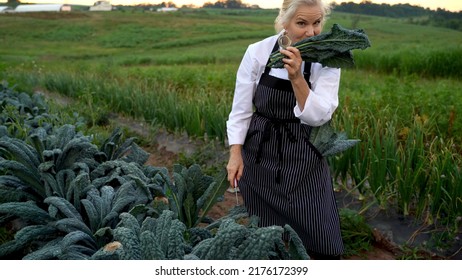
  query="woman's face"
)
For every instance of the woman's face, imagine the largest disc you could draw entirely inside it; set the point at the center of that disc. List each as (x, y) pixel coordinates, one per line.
(306, 22)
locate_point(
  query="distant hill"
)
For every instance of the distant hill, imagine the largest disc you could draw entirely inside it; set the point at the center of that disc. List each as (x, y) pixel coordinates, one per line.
(414, 14)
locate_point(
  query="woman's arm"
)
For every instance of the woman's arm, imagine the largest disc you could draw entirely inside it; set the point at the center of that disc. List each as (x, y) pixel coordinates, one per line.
(241, 114)
(315, 105)
(235, 165)
(242, 108)
(323, 96)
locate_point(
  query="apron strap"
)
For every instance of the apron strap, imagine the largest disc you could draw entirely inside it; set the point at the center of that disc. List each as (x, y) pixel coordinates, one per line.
(275, 48)
(278, 125)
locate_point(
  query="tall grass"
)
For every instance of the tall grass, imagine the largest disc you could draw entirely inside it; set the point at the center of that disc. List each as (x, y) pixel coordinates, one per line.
(403, 159)
(196, 110)
(401, 48)
(418, 174)
(427, 63)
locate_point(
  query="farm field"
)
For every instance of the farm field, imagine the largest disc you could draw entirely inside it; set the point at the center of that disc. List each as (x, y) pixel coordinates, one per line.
(176, 72)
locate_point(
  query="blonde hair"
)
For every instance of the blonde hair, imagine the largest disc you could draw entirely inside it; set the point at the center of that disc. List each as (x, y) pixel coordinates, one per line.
(289, 7)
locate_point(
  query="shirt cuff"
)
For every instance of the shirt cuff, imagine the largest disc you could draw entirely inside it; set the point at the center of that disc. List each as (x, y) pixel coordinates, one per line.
(315, 112)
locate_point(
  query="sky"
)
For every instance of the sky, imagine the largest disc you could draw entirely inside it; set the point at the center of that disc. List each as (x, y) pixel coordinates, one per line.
(451, 5)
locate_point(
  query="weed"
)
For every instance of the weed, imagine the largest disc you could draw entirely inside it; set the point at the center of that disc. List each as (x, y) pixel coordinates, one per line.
(356, 233)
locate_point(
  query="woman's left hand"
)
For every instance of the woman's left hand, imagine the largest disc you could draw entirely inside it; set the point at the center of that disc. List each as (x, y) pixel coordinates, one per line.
(292, 62)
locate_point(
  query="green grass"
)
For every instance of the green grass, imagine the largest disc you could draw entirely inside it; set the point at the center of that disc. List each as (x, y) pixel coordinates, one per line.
(356, 233)
(178, 71)
(403, 48)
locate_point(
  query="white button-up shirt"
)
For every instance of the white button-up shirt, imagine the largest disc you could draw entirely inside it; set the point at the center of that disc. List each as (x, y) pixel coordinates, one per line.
(319, 107)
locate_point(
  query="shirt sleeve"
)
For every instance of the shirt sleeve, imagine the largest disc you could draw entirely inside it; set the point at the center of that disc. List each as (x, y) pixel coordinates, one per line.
(242, 108)
(323, 98)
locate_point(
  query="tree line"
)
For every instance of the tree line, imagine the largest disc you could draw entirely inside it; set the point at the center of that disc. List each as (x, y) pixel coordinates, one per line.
(414, 14)
(228, 4)
(220, 4)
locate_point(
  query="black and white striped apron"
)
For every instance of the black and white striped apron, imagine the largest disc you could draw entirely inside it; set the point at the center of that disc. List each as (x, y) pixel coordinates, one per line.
(285, 179)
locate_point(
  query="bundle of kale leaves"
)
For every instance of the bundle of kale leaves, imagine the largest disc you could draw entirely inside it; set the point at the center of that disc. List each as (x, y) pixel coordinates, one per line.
(332, 49)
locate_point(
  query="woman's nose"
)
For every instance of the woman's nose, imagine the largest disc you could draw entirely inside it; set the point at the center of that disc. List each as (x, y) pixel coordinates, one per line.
(309, 31)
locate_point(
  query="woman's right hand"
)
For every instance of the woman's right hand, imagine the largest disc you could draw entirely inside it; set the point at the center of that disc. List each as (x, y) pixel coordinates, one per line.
(235, 164)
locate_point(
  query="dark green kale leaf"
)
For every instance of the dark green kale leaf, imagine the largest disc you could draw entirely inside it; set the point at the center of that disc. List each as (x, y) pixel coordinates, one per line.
(332, 49)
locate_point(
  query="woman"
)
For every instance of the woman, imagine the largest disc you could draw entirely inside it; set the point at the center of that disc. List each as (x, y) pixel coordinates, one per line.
(283, 179)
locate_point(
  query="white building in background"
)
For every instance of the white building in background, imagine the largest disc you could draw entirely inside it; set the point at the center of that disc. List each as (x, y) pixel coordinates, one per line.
(66, 8)
(42, 8)
(101, 6)
(5, 9)
(167, 9)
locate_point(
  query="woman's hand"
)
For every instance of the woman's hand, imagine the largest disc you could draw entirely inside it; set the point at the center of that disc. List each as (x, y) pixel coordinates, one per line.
(292, 62)
(235, 164)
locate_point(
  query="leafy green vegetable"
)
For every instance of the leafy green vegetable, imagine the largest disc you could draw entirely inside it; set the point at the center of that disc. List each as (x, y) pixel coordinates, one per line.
(328, 142)
(332, 49)
(193, 194)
